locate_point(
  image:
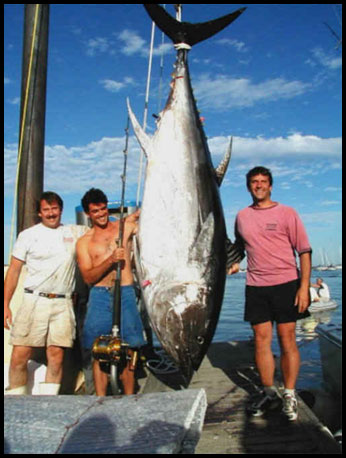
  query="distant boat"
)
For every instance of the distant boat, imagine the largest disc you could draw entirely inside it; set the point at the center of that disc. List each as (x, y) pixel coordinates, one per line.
(326, 264)
(321, 268)
(323, 305)
(329, 267)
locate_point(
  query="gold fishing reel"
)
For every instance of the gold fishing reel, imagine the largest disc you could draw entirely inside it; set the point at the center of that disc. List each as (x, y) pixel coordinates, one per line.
(107, 349)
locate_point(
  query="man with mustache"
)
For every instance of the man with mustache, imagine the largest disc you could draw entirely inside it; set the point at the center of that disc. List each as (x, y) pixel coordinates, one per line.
(46, 317)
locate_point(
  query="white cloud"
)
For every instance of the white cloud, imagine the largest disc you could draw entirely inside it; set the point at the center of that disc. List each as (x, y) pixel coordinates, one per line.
(222, 92)
(331, 62)
(129, 43)
(132, 43)
(237, 45)
(163, 49)
(116, 86)
(99, 163)
(98, 44)
(294, 145)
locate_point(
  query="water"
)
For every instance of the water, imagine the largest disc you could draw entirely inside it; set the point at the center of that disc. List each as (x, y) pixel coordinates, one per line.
(231, 325)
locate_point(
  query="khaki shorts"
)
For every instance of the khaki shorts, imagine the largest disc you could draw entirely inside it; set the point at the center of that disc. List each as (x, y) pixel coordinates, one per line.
(41, 322)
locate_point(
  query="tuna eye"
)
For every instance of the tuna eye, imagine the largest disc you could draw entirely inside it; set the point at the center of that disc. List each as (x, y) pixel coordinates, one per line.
(200, 340)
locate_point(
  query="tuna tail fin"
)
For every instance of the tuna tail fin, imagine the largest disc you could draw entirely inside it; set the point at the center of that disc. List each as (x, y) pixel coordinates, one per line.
(222, 167)
(185, 32)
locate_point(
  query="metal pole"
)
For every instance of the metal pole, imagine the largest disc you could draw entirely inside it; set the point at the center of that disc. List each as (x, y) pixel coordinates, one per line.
(145, 116)
(178, 8)
(32, 116)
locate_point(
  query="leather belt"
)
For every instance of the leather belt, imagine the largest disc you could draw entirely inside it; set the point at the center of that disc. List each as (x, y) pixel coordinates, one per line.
(48, 295)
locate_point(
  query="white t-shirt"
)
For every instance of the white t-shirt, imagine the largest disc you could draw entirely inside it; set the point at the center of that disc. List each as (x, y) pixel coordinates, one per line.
(49, 255)
(323, 291)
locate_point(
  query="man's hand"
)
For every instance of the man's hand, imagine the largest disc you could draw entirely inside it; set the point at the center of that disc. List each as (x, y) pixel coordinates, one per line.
(303, 294)
(302, 300)
(133, 217)
(234, 269)
(7, 318)
(118, 255)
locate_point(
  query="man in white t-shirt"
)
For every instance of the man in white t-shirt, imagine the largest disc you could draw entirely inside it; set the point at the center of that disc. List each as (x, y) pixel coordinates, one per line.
(322, 291)
(46, 317)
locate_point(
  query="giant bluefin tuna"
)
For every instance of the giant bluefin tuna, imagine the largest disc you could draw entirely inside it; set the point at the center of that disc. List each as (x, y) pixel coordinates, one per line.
(180, 250)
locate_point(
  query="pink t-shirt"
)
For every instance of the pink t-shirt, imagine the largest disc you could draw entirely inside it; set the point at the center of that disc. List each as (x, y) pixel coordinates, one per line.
(271, 236)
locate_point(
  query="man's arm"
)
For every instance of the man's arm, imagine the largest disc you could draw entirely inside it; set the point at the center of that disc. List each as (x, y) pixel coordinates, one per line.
(303, 294)
(10, 285)
(235, 253)
(133, 217)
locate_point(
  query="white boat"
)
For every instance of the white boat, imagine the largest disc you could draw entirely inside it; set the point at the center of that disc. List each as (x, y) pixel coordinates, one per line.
(322, 305)
(330, 338)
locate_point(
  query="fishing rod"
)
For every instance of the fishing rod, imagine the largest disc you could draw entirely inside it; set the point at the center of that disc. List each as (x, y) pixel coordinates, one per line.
(110, 348)
(119, 242)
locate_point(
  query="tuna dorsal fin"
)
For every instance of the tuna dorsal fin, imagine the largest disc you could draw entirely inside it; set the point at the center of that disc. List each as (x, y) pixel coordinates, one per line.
(143, 139)
(185, 32)
(222, 167)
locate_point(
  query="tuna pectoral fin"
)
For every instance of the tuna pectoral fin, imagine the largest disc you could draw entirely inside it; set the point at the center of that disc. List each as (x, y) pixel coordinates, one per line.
(222, 168)
(202, 248)
(142, 137)
(184, 32)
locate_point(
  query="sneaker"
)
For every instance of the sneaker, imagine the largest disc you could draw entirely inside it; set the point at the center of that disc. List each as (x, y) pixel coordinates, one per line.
(290, 407)
(264, 403)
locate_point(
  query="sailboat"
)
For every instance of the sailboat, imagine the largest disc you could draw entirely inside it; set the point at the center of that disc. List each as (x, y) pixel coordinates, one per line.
(325, 263)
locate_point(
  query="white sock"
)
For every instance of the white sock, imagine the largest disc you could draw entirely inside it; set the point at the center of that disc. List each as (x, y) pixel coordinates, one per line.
(289, 391)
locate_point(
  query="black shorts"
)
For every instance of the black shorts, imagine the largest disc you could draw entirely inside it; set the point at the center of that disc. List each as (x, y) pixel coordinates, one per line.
(272, 303)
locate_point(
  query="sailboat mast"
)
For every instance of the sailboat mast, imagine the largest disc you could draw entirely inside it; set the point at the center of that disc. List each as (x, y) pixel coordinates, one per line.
(32, 113)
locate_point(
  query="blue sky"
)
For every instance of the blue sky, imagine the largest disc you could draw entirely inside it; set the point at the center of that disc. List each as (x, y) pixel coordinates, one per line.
(272, 80)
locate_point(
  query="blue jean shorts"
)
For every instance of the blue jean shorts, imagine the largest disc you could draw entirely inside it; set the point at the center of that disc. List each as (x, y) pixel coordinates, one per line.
(99, 317)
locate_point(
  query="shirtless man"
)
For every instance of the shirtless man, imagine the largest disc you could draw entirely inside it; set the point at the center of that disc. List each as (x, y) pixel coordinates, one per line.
(97, 256)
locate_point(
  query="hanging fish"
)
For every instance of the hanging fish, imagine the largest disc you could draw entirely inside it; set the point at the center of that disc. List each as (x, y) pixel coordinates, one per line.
(180, 250)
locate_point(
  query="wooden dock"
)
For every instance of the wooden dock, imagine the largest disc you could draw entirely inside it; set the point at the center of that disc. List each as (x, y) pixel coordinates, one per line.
(229, 377)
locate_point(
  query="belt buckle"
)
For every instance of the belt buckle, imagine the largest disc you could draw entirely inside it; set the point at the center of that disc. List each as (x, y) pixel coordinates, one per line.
(51, 295)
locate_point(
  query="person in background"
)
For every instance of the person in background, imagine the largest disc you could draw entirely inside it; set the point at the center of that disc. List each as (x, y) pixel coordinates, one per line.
(270, 233)
(322, 291)
(46, 316)
(98, 255)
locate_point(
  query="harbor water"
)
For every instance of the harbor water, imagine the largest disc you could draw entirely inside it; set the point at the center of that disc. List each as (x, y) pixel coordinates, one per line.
(231, 325)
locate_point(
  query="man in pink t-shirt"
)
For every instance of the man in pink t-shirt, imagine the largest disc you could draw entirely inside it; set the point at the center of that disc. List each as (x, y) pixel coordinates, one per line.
(271, 234)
